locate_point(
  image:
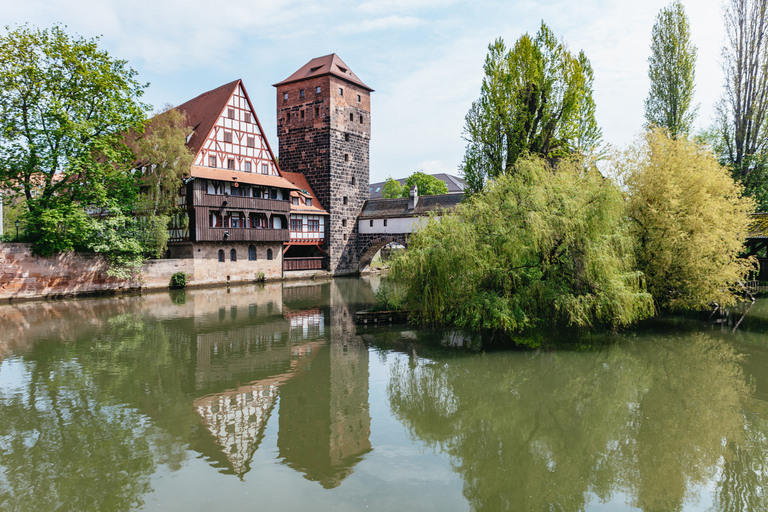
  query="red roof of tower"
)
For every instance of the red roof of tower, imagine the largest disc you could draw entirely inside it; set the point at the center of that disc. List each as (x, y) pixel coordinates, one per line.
(321, 66)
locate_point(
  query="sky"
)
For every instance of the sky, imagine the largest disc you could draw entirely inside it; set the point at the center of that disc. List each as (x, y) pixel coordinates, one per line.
(423, 58)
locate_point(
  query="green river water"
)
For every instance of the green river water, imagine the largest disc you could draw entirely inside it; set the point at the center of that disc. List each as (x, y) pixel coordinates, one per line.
(271, 398)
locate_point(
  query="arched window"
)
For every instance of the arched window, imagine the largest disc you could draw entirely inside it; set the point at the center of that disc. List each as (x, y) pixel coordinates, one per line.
(221, 255)
(269, 254)
(232, 255)
(251, 253)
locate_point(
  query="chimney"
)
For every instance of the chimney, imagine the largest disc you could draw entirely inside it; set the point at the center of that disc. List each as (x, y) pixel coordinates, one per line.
(413, 199)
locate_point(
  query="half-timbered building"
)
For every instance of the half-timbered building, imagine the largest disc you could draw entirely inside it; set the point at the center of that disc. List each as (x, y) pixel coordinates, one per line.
(236, 203)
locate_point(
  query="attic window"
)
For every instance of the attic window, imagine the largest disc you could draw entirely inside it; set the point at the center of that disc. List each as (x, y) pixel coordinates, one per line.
(308, 201)
(227, 136)
(264, 169)
(315, 69)
(251, 142)
(295, 201)
(343, 70)
(247, 118)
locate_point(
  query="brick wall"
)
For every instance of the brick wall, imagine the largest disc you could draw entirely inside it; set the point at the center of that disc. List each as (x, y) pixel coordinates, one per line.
(24, 275)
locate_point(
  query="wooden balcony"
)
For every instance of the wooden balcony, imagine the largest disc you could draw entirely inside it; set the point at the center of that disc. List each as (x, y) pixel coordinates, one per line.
(303, 263)
(208, 234)
(242, 203)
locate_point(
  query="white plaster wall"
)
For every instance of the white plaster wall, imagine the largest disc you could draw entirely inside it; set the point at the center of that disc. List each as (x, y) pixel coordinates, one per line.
(394, 226)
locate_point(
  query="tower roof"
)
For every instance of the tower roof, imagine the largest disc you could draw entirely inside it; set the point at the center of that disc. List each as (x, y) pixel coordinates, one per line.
(321, 66)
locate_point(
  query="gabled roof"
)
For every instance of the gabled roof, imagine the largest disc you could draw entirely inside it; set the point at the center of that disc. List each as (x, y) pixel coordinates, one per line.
(300, 181)
(326, 65)
(265, 180)
(203, 111)
(390, 208)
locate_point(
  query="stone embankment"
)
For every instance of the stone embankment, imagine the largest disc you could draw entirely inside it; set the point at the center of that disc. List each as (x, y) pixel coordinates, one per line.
(26, 276)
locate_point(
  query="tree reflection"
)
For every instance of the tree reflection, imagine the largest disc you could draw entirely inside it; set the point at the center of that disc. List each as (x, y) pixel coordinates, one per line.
(555, 431)
(64, 447)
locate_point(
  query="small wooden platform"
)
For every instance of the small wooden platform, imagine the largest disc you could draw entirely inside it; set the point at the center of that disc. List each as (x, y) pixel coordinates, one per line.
(381, 317)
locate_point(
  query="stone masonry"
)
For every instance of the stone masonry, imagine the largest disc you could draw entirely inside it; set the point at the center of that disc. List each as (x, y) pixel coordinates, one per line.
(325, 135)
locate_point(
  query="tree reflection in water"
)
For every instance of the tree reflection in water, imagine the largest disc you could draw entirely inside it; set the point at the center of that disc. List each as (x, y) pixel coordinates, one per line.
(654, 420)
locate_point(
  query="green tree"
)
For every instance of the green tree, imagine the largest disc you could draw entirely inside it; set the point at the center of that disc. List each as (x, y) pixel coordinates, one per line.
(671, 69)
(741, 131)
(392, 189)
(689, 219)
(427, 185)
(537, 98)
(540, 246)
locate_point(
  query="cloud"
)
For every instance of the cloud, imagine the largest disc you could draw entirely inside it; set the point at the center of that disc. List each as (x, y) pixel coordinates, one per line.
(397, 6)
(385, 23)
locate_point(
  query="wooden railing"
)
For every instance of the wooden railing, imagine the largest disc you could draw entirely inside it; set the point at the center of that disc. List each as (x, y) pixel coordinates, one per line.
(208, 234)
(303, 263)
(248, 203)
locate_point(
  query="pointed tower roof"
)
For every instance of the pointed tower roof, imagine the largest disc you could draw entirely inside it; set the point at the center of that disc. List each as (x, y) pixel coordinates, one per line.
(321, 66)
(203, 111)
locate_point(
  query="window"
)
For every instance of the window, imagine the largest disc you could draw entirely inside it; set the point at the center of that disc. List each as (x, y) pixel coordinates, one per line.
(269, 254)
(361, 118)
(346, 137)
(247, 166)
(251, 142)
(258, 221)
(346, 157)
(358, 98)
(273, 193)
(351, 117)
(211, 161)
(287, 116)
(341, 91)
(301, 114)
(385, 222)
(285, 96)
(264, 169)
(231, 113)
(344, 200)
(313, 225)
(251, 253)
(297, 225)
(248, 118)
(353, 180)
(295, 201)
(227, 136)
(317, 111)
(308, 201)
(231, 163)
(301, 93)
(214, 220)
(221, 255)
(371, 222)
(318, 90)
(232, 255)
(343, 223)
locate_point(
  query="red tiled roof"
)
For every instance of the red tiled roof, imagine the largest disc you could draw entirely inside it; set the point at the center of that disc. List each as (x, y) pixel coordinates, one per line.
(326, 65)
(300, 181)
(203, 111)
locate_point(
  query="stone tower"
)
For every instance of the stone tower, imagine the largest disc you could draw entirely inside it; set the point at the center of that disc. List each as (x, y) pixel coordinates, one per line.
(324, 129)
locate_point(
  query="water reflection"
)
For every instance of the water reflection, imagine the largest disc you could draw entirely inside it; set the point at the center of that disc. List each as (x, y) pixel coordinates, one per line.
(559, 431)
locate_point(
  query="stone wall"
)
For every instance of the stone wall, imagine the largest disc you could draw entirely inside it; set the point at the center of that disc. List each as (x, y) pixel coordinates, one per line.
(24, 275)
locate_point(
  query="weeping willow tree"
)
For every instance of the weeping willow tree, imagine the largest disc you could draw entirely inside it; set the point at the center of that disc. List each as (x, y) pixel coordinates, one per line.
(540, 246)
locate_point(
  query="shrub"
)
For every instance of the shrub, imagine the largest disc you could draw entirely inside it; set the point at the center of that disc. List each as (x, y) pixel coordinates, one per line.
(179, 280)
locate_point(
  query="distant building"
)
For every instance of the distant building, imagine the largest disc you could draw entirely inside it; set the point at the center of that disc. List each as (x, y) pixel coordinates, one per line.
(455, 185)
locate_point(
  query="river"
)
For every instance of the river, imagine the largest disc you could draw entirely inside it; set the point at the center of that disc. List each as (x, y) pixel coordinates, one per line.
(270, 397)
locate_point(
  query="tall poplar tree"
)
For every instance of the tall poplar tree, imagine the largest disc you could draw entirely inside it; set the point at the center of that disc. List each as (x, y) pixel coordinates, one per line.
(671, 69)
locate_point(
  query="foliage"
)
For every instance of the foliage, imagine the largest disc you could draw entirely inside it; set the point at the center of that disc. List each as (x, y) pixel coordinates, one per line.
(539, 246)
(671, 69)
(535, 98)
(392, 189)
(389, 297)
(178, 280)
(742, 134)
(260, 277)
(689, 219)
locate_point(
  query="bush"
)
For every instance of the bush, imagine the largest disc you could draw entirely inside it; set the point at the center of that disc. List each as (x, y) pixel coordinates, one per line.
(179, 280)
(260, 277)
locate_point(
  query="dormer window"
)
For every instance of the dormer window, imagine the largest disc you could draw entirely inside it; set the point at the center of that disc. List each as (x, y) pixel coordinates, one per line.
(295, 201)
(308, 201)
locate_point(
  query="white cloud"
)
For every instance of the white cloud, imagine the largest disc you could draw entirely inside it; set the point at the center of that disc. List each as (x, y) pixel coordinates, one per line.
(385, 23)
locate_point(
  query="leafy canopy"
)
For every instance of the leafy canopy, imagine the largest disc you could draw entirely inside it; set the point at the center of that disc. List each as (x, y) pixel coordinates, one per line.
(689, 219)
(535, 98)
(671, 69)
(427, 186)
(543, 245)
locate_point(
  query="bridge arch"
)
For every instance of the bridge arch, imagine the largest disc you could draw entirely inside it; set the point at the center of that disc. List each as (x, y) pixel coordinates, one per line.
(369, 245)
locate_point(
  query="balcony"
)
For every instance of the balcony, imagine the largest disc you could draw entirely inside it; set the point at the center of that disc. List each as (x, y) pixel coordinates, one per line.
(208, 234)
(242, 203)
(303, 263)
